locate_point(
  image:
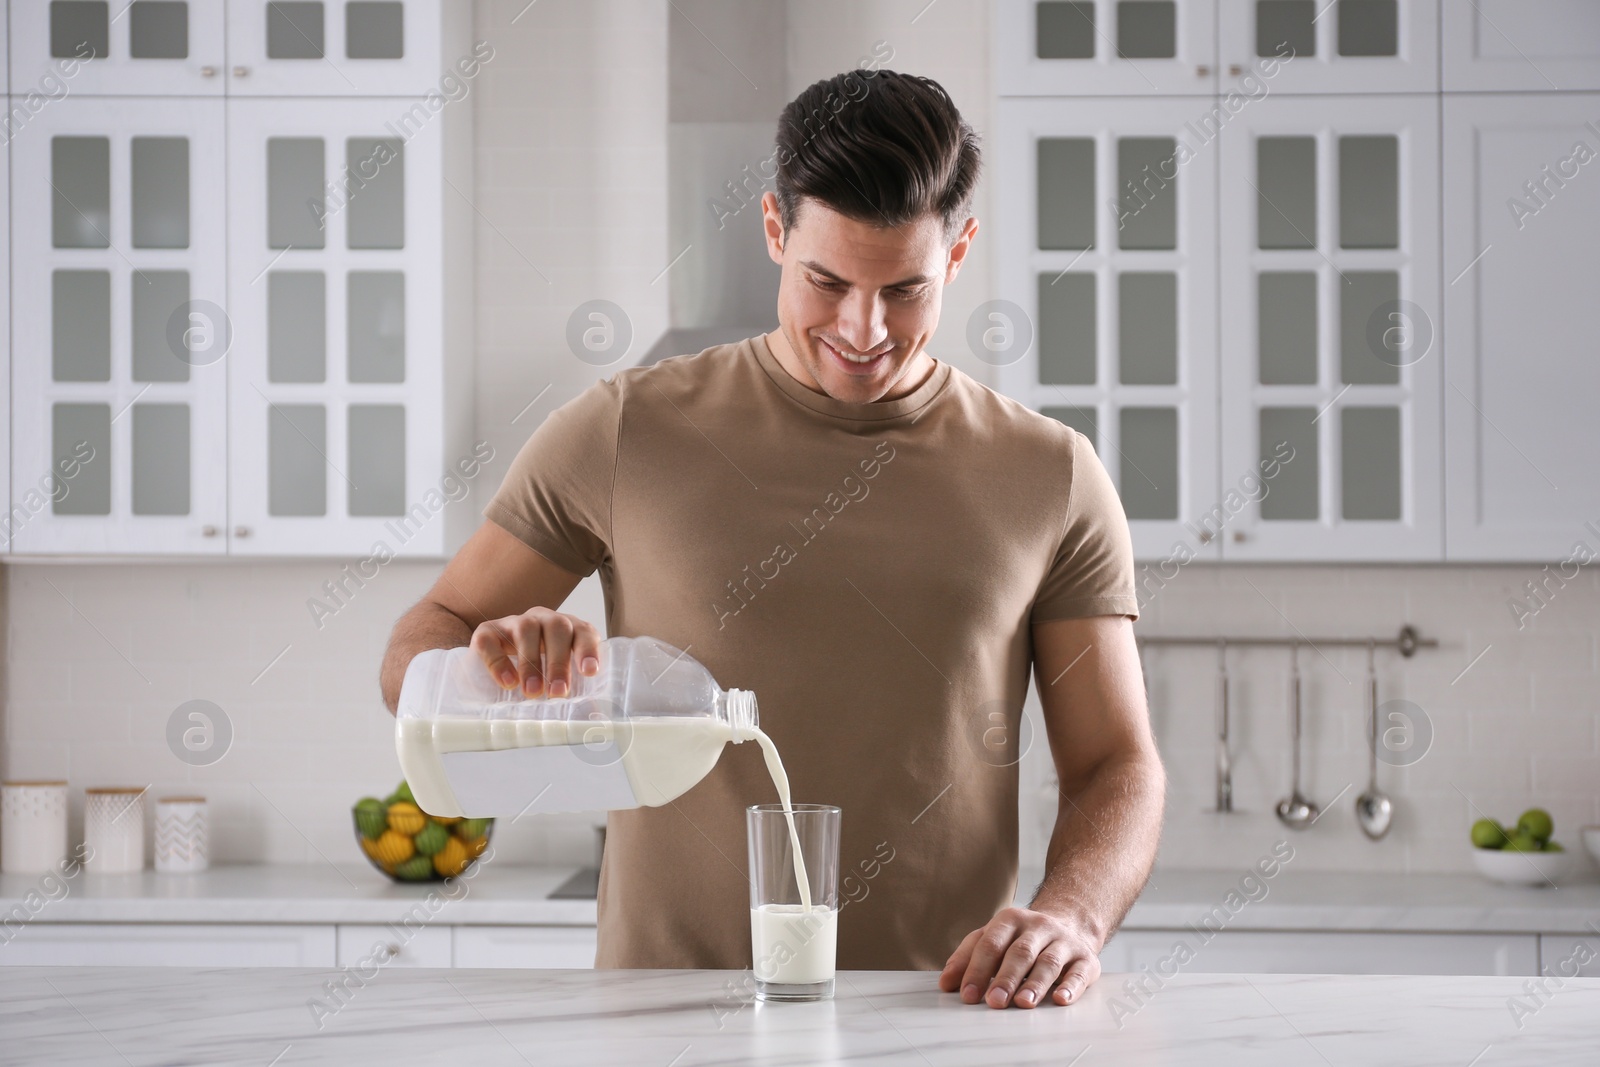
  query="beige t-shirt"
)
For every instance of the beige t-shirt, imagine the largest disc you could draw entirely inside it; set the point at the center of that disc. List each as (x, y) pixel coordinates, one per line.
(870, 572)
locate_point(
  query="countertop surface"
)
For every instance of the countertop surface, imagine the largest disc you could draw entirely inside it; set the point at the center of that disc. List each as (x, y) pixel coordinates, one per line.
(506, 894)
(96, 1015)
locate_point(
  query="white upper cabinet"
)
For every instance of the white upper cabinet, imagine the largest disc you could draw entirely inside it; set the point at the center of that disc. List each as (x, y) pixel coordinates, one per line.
(1105, 47)
(100, 48)
(336, 289)
(119, 333)
(1521, 44)
(1106, 221)
(340, 47)
(1522, 211)
(1330, 309)
(1328, 46)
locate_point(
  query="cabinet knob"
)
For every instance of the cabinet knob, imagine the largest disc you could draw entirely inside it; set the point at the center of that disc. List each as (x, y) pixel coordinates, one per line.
(1234, 70)
(1239, 537)
(1202, 71)
(240, 72)
(1205, 537)
(392, 950)
(208, 72)
(241, 531)
(208, 530)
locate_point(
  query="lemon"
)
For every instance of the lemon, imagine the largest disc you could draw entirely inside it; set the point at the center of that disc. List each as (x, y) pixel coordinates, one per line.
(392, 847)
(1537, 824)
(452, 859)
(406, 817)
(1486, 833)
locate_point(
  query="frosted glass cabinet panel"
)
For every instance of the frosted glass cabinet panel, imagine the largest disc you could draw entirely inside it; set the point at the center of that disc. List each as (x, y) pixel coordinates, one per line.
(1109, 229)
(335, 287)
(340, 47)
(1330, 322)
(117, 48)
(1519, 263)
(1328, 46)
(118, 350)
(1515, 45)
(1105, 47)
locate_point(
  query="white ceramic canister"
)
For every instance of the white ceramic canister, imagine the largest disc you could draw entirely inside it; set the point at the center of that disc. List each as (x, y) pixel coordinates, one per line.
(113, 829)
(33, 826)
(181, 844)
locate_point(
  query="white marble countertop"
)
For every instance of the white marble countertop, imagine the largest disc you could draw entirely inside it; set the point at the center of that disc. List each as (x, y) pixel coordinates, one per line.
(66, 1016)
(1294, 900)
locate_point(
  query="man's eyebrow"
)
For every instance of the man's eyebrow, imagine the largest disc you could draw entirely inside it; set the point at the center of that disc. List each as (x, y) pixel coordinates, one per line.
(818, 268)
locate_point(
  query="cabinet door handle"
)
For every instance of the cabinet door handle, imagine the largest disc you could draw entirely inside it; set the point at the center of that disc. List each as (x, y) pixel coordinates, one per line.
(208, 72)
(241, 531)
(1234, 70)
(240, 72)
(1205, 537)
(1239, 537)
(208, 530)
(1202, 71)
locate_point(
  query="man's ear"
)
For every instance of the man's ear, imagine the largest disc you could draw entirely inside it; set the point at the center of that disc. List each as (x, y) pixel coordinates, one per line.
(959, 250)
(772, 226)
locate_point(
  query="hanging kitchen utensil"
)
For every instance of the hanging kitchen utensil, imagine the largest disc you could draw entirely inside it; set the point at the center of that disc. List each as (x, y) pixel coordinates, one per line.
(1374, 810)
(1224, 758)
(1295, 811)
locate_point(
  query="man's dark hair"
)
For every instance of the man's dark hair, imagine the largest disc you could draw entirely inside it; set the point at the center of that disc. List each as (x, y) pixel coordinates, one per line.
(879, 147)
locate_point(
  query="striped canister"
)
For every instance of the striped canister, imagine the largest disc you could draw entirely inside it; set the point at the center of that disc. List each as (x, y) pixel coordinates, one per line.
(113, 829)
(181, 834)
(33, 826)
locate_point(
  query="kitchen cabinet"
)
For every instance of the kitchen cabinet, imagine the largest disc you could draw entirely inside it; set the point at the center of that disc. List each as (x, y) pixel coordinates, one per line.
(246, 326)
(96, 48)
(1515, 45)
(120, 392)
(340, 47)
(393, 945)
(1320, 952)
(1522, 188)
(1329, 254)
(524, 946)
(1565, 956)
(1107, 205)
(1105, 47)
(1338, 46)
(170, 945)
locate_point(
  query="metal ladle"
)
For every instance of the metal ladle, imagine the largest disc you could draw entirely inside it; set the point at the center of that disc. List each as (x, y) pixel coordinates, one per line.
(1374, 810)
(1295, 811)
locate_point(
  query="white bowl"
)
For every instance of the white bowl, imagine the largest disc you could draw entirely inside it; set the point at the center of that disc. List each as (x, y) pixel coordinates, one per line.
(1591, 841)
(1521, 868)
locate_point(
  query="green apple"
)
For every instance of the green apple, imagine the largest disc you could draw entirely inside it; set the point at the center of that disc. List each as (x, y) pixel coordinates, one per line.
(1486, 833)
(1536, 823)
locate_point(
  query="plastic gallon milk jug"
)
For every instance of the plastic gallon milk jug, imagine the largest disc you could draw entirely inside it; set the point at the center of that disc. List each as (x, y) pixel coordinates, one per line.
(649, 725)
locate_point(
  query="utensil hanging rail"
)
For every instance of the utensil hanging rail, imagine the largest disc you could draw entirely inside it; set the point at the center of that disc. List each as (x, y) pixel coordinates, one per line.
(1406, 642)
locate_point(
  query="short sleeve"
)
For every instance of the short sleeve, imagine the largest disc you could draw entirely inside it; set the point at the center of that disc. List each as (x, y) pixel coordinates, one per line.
(1092, 573)
(556, 498)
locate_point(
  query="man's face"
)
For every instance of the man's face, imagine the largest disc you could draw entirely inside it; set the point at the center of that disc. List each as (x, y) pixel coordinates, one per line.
(858, 303)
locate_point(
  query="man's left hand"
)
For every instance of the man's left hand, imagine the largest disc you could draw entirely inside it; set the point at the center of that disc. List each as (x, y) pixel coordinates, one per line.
(1019, 957)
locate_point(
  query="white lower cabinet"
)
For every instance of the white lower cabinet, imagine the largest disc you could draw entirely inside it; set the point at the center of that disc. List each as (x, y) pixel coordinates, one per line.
(393, 945)
(170, 945)
(1565, 956)
(524, 946)
(1320, 952)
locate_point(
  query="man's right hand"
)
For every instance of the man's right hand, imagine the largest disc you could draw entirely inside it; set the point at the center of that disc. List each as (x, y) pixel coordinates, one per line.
(546, 643)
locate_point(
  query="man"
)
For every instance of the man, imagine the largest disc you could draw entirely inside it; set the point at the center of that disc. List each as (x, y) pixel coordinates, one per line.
(876, 545)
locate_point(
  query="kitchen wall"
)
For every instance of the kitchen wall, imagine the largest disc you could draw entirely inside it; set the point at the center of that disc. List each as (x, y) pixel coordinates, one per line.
(571, 198)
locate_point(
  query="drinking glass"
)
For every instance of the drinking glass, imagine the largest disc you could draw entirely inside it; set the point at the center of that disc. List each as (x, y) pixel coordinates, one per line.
(792, 950)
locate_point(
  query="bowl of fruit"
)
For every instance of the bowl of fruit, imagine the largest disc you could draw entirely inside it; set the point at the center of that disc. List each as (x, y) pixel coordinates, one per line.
(1521, 855)
(409, 845)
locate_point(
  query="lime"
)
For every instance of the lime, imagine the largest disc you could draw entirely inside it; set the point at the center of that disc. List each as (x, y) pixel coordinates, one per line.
(1486, 833)
(401, 793)
(1521, 842)
(1536, 823)
(431, 839)
(415, 869)
(471, 828)
(372, 818)
(1552, 846)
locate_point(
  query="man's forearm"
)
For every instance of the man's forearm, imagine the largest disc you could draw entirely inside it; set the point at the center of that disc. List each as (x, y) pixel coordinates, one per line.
(1104, 844)
(423, 627)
